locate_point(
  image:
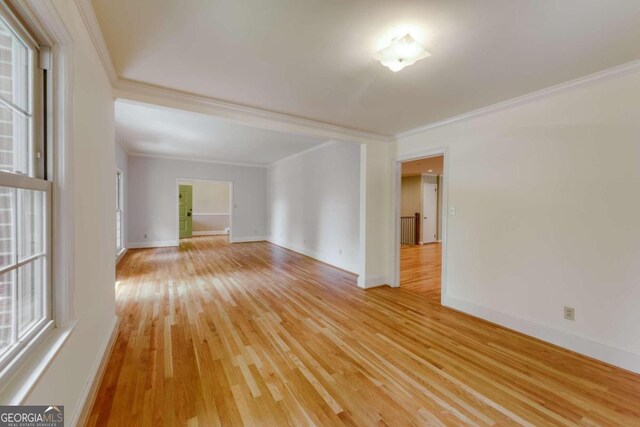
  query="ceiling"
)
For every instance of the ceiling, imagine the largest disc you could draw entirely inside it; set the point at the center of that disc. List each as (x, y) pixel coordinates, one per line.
(428, 165)
(313, 59)
(148, 129)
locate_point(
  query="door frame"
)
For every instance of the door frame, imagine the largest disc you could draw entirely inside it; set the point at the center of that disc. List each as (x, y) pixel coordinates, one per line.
(422, 200)
(177, 199)
(120, 202)
(396, 195)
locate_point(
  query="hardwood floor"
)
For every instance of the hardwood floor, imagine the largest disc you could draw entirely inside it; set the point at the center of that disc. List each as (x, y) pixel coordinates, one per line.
(420, 268)
(218, 334)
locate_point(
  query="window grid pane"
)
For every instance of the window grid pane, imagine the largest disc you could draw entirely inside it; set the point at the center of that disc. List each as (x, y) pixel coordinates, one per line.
(16, 120)
(7, 224)
(30, 223)
(23, 281)
(29, 295)
(7, 309)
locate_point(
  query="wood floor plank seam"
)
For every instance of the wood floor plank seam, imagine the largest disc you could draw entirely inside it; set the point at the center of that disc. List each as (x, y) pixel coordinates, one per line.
(219, 334)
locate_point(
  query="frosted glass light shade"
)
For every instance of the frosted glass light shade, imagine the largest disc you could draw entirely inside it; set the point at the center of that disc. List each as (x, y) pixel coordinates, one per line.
(402, 52)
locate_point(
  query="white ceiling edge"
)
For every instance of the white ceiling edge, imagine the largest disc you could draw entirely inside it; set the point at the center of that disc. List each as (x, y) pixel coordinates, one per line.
(171, 98)
(137, 91)
(251, 116)
(88, 15)
(609, 73)
(195, 159)
(300, 153)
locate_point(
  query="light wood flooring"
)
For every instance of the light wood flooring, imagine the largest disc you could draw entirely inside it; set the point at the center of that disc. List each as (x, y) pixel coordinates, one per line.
(218, 334)
(420, 268)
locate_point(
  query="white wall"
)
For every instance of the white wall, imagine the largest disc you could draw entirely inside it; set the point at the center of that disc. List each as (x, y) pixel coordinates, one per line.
(547, 205)
(66, 379)
(153, 198)
(314, 203)
(122, 163)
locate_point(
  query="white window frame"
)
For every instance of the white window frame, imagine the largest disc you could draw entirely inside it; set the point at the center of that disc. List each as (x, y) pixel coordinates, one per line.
(19, 350)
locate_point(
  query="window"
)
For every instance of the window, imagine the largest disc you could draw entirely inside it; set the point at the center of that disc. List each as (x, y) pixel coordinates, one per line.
(119, 229)
(25, 194)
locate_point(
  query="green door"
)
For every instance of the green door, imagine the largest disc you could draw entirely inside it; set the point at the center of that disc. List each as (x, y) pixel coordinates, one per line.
(185, 219)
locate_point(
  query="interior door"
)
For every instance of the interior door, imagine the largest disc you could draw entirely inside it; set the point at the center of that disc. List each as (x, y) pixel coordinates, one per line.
(429, 213)
(185, 209)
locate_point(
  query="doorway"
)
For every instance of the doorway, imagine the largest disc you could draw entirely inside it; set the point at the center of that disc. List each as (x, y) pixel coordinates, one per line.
(420, 225)
(205, 208)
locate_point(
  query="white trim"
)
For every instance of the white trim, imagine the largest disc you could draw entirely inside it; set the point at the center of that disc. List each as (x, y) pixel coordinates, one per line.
(581, 345)
(120, 255)
(248, 239)
(90, 389)
(315, 255)
(372, 282)
(250, 116)
(609, 73)
(191, 159)
(88, 14)
(142, 92)
(210, 233)
(395, 220)
(44, 18)
(210, 214)
(300, 153)
(18, 386)
(154, 244)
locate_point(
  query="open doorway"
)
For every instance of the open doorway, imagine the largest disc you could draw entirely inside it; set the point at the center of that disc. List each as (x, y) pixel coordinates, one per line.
(421, 225)
(205, 208)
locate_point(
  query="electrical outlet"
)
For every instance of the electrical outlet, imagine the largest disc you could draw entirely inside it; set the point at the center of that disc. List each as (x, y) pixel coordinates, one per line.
(569, 313)
(452, 211)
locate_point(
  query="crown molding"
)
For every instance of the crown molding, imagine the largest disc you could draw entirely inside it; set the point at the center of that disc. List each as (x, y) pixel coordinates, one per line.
(599, 76)
(256, 117)
(193, 159)
(300, 153)
(88, 15)
(251, 116)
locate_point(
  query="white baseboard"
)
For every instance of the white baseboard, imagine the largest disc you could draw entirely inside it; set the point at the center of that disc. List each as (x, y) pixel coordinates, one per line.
(582, 345)
(315, 255)
(209, 233)
(372, 281)
(156, 244)
(121, 255)
(248, 239)
(90, 390)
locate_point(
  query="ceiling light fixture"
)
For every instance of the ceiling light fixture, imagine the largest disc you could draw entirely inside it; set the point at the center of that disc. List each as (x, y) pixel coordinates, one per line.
(401, 52)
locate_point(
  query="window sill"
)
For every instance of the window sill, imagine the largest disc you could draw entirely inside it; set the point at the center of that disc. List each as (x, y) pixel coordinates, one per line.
(32, 362)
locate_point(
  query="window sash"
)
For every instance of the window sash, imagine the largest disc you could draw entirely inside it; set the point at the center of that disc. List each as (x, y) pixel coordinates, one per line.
(19, 343)
(31, 172)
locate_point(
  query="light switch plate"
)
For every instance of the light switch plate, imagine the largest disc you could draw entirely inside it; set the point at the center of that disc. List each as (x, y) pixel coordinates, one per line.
(452, 211)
